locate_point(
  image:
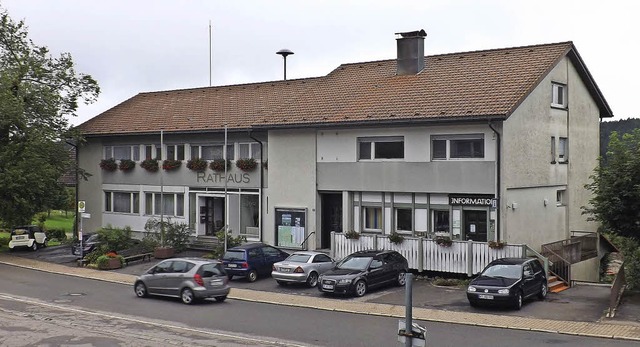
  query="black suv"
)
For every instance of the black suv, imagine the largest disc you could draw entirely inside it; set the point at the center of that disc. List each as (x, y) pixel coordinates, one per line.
(362, 270)
(508, 281)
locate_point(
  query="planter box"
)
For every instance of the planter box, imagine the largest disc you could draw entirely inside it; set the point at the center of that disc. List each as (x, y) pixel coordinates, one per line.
(163, 252)
(114, 263)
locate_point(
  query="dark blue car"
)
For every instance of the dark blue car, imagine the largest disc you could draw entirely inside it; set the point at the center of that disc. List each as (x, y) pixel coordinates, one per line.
(251, 260)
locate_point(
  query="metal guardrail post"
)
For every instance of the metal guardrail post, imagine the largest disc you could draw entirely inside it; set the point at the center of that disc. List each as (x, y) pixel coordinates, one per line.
(469, 258)
(332, 251)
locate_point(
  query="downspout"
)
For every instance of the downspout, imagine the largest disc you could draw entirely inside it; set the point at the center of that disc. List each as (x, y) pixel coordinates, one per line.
(499, 187)
(261, 175)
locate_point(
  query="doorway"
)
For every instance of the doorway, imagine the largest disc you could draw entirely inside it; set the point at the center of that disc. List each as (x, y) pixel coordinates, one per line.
(475, 225)
(213, 215)
(331, 219)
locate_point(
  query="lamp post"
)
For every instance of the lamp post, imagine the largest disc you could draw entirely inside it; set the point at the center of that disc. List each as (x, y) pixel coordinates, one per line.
(284, 53)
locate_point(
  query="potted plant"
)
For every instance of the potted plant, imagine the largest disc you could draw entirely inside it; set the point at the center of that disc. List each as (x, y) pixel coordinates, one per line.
(109, 261)
(352, 235)
(246, 164)
(150, 165)
(170, 164)
(219, 165)
(444, 241)
(197, 164)
(166, 238)
(126, 165)
(497, 244)
(395, 238)
(108, 164)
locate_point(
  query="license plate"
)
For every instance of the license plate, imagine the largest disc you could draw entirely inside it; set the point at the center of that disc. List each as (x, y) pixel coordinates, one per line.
(216, 283)
(487, 297)
(327, 286)
(19, 237)
(233, 265)
(284, 269)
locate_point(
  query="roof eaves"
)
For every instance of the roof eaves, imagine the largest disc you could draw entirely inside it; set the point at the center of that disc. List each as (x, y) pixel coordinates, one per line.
(605, 110)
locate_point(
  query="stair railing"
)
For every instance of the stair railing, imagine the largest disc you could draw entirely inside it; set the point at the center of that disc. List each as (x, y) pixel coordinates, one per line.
(560, 267)
(528, 251)
(303, 244)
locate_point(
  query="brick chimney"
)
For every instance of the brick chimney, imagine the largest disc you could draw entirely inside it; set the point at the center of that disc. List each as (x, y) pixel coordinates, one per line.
(410, 52)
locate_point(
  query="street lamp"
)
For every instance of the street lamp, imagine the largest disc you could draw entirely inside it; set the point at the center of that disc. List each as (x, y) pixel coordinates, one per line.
(284, 53)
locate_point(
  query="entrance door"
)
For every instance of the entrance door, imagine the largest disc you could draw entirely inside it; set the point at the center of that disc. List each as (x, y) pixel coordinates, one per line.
(214, 215)
(331, 217)
(475, 225)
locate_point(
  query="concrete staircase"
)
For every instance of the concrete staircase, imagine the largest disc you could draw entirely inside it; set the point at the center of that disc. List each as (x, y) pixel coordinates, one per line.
(556, 285)
(203, 243)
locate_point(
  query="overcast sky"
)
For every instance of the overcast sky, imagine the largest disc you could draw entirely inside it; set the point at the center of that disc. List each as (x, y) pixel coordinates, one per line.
(133, 46)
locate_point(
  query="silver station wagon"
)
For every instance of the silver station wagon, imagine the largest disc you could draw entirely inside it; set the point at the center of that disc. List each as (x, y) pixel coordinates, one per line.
(189, 279)
(302, 267)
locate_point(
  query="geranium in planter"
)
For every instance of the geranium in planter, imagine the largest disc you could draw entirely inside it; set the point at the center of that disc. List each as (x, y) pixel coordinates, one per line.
(395, 238)
(444, 241)
(126, 165)
(108, 164)
(150, 165)
(246, 164)
(197, 164)
(497, 244)
(109, 261)
(352, 235)
(170, 164)
(219, 165)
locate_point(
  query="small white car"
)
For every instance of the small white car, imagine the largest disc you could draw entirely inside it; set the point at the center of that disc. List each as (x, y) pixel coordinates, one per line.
(302, 267)
(28, 236)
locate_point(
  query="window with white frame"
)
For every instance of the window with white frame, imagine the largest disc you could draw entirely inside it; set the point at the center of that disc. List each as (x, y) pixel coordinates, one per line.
(372, 218)
(249, 150)
(558, 95)
(212, 152)
(553, 149)
(168, 204)
(175, 152)
(131, 152)
(122, 202)
(404, 219)
(470, 146)
(384, 147)
(563, 150)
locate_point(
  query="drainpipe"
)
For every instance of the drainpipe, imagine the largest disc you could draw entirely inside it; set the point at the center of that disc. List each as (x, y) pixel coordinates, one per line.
(499, 153)
(261, 175)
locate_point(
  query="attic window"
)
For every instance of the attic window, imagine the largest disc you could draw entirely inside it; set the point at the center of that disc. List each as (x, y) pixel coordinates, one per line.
(558, 95)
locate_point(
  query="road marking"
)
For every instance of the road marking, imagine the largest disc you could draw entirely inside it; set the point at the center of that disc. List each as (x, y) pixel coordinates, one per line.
(9, 297)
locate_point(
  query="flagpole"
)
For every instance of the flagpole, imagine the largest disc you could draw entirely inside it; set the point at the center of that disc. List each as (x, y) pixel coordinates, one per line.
(226, 203)
(210, 71)
(161, 192)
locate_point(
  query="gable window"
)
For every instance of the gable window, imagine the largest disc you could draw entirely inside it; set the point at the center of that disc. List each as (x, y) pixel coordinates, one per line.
(444, 147)
(373, 218)
(121, 202)
(563, 150)
(122, 152)
(249, 150)
(558, 95)
(175, 152)
(371, 148)
(171, 205)
(212, 152)
(553, 149)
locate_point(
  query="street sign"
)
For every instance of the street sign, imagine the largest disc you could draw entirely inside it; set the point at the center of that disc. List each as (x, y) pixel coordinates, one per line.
(82, 206)
(86, 215)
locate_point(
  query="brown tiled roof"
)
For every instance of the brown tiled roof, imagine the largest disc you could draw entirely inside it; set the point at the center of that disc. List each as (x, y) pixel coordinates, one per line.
(469, 85)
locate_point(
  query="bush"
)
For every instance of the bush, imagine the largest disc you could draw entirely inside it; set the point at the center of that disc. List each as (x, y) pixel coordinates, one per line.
(4, 240)
(92, 257)
(218, 250)
(103, 260)
(176, 235)
(115, 239)
(57, 234)
(630, 249)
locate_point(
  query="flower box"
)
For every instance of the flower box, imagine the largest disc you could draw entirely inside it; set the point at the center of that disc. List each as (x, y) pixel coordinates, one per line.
(163, 252)
(170, 164)
(219, 165)
(150, 165)
(246, 164)
(108, 164)
(127, 165)
(197, 164)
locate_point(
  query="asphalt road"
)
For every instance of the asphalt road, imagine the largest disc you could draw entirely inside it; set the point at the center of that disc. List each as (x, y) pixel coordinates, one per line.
(116, 306)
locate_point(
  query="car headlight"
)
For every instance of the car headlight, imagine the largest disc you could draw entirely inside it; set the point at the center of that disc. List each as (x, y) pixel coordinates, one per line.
(345, 281)
(503, 291)
(471, 289)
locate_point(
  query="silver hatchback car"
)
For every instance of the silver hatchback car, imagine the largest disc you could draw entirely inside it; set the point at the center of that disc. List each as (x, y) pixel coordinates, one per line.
(189, 279)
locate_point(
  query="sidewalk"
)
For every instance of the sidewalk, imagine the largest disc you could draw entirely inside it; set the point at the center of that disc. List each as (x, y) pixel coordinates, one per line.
(617, 330)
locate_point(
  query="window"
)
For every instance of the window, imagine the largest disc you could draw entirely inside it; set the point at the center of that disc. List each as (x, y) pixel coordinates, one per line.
(440, 221)
(373, 218)
(404, 219)
(122, 152)
(563, 150)
(370, 148)
(560, 198)
(445, 147)
(173, 204)
(175, 152)
(212, 152)
(558, 95)
(121, 202)
(249, 150)
(553, 149)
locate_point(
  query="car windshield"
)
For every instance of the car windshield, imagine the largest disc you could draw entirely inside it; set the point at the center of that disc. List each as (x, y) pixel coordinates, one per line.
(92, 238)
(212, 269)
(298, 258)
(503, 270)
(355, 263)
(233, 255)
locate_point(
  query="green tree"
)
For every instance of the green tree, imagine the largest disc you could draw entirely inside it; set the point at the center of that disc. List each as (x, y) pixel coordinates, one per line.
(37, 93)
(616, 186)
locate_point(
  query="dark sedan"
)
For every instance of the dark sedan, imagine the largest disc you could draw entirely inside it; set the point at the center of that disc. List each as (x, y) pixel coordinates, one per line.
(508, 281)
(89, 243)
(360, 271)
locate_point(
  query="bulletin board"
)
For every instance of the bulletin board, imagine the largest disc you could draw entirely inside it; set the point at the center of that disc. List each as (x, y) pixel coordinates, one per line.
(290, 227)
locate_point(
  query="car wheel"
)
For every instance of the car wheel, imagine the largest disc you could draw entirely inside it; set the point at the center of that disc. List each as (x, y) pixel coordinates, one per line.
(45, 243)
(312, 280)
(518, 301)
(141, 290)
(281, 283)
(187, 296)
(34, 247)
(543, 291)
(221, 298)
(361, 288)
(252, 276)
(401, 280)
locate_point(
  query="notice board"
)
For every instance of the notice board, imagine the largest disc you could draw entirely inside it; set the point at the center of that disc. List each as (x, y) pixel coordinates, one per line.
(290, 227)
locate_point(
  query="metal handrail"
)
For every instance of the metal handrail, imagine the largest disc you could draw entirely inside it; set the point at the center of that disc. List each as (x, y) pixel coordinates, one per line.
(544, 259)
(302, 245)
(565, 265)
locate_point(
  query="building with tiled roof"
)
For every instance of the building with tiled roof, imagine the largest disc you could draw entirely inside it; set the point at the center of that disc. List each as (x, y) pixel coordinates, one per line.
(492, 145)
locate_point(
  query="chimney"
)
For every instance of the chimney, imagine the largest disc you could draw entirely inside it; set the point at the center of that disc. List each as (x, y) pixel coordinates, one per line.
(410, 52)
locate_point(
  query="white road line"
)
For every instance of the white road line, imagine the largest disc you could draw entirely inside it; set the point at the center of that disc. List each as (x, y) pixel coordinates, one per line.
(9, 297)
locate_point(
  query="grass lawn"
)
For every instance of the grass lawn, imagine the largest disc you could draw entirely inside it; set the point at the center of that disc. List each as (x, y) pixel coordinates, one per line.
(58, 220)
